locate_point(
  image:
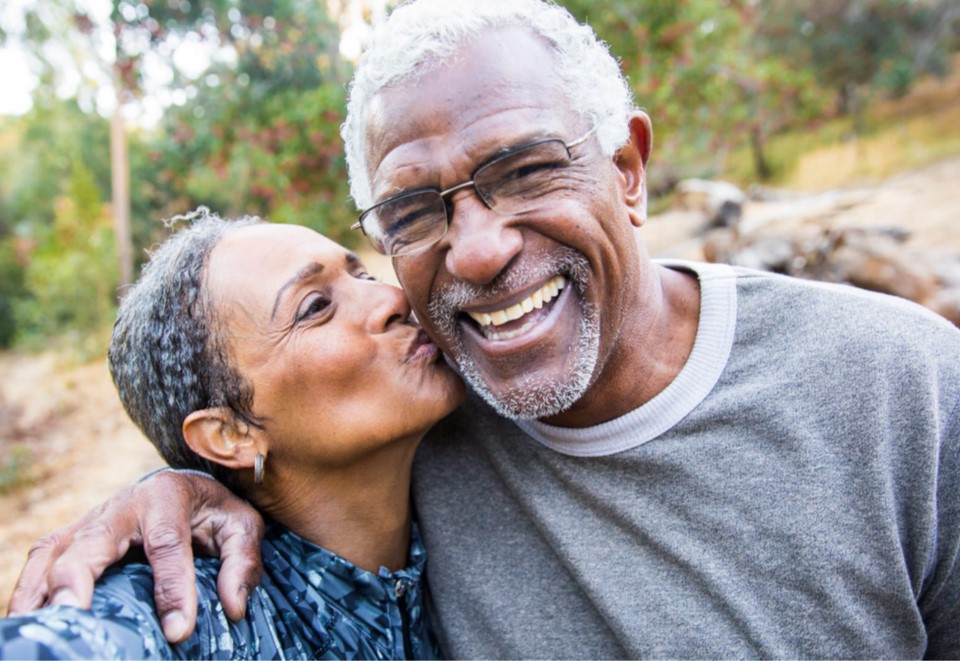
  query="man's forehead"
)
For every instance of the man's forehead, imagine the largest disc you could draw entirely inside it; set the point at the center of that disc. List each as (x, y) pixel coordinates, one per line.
(446, 160)
(481, 101)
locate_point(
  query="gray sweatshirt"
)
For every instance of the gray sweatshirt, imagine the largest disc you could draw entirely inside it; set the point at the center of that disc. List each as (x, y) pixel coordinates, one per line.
(795, 493)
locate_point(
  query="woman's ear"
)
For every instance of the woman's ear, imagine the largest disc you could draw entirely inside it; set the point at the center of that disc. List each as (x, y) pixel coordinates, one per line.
(218, 436)
(631, 161)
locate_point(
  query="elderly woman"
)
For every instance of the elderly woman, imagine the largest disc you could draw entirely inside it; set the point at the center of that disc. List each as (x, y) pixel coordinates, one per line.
(267, 356)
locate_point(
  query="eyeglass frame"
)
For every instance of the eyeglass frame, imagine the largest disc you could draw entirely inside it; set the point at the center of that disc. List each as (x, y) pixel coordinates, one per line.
(443, 194)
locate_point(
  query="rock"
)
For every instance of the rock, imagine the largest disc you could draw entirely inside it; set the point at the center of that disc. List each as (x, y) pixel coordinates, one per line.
(946, 303)
(720, 202)
(870, 258)
(874, 260)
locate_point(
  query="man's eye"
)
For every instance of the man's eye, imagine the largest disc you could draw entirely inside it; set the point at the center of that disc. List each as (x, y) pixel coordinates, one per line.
(531, 178)
(533, 169)
(313, 307)
(402, 219)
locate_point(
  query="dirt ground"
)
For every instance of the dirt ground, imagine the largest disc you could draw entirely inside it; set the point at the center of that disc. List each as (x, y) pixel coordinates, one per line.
(924, 202)
(83, 447)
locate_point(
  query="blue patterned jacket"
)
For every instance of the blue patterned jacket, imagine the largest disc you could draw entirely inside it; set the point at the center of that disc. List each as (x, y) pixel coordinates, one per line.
(311, 604)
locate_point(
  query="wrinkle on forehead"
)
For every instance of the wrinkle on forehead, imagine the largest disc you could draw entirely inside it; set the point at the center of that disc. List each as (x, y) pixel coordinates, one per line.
(443, 159)
(480, 50)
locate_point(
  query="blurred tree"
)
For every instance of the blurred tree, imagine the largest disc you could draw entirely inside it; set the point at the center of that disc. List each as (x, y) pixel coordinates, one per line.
(859, 46)
(260, 134)
(37, 174)
(255, 132)
(35, 163)
(769, 94)
(67, 41)
(694, 65)
(71, 279)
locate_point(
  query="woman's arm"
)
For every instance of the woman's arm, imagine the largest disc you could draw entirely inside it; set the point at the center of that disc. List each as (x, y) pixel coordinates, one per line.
(121, 624)
(64, 632)
(163, 514)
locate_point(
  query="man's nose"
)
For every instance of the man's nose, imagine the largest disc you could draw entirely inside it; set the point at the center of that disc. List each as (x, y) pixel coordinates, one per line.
(481, 243)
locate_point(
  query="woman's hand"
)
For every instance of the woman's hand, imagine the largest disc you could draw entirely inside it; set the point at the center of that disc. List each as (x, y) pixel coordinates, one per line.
(163, 514)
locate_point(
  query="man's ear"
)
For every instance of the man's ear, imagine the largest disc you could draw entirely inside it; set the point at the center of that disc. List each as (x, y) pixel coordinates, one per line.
(218, 436)
(631, 161)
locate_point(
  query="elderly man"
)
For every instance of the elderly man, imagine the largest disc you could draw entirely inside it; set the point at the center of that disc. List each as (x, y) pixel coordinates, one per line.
(678, 460)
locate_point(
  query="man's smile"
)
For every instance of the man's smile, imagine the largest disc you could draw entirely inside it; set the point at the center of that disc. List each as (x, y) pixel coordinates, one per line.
(515, 319)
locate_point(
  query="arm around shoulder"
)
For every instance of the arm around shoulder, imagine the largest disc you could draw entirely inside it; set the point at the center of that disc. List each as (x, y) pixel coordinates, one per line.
(164, 514)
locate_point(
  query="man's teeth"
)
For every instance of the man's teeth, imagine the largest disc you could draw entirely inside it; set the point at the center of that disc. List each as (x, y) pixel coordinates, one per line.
(533, 302)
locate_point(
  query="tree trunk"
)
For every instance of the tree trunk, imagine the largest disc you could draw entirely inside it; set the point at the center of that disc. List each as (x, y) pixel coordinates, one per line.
(760, 163)
(120, 177)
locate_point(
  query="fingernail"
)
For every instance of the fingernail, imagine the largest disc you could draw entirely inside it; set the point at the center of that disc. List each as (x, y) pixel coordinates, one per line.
(174, 626)
(65, 597)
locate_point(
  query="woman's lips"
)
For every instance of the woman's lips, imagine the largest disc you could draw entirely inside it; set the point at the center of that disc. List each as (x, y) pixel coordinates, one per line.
(422, 349)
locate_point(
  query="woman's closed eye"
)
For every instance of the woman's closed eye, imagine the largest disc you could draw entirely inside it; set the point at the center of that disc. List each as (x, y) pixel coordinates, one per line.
(312, 307)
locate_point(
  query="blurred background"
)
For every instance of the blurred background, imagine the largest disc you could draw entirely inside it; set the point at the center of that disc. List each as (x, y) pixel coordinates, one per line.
(820, 139)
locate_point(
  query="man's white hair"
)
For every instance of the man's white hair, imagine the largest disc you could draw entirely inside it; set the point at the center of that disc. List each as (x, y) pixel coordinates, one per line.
(423, 32)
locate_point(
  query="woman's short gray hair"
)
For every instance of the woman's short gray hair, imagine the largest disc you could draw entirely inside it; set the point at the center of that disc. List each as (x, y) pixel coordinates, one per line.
(166, 355)
(429, 31)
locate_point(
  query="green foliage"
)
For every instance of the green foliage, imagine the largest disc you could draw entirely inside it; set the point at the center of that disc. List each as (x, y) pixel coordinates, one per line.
(39, 234)
(693, 65)
(721, 76)
(36, 164)
(734, 88)
(71, 278)
(262, 136)
(856, 47)
(15, 469)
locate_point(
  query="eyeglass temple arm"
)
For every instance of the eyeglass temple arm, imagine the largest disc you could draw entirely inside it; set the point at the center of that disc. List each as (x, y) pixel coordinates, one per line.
(584, 137)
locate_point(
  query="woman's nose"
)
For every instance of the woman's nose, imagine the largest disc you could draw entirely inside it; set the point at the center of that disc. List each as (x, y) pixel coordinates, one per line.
(387, 306)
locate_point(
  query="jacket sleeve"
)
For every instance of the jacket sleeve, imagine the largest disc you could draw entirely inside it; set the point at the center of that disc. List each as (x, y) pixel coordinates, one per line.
(121, 624)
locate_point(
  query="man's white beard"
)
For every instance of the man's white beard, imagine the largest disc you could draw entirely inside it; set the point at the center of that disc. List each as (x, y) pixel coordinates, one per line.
(528, 397)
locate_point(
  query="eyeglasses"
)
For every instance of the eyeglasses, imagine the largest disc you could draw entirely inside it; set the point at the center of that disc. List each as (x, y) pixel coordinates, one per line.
(513, 182)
